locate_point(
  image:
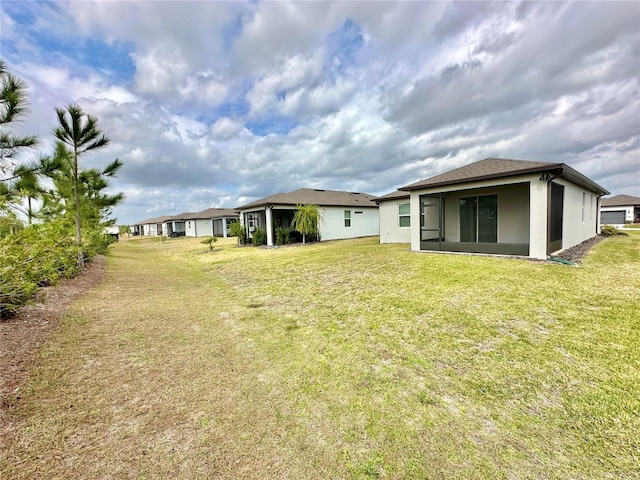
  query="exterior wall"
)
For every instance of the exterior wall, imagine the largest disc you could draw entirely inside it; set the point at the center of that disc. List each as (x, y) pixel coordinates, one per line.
(390, 230)
(190, 227)
(204, 227)
(363, 224)
(578, 225)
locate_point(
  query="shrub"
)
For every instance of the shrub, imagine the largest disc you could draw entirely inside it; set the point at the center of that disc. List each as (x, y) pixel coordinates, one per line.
(237, 230)
(283, 236)
(209, 241)
(610, 230)
(39, 255)
(259, 237)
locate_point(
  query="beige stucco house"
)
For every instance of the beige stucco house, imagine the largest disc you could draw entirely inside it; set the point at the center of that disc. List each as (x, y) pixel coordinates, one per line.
(504, 206)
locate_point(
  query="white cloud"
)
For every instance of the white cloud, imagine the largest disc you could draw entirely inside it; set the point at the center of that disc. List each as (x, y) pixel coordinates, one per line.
(226, 128)
(371, 96)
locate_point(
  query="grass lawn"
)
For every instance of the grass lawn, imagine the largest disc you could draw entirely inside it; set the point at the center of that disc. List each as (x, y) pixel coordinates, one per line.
(344, 359)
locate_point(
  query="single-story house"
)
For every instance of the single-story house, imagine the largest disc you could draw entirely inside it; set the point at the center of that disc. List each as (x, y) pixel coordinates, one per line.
(211, 222)
(395, 217)
(504, 206)
(175, 226)
(113, 231)
(619, 210)
(167, 225)
(344, 214)
(150, 227)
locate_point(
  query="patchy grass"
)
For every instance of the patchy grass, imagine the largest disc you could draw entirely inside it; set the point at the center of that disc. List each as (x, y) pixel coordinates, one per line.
(340, 360)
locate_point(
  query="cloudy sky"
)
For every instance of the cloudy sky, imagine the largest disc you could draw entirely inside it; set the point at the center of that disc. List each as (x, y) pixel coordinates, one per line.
(213, 104)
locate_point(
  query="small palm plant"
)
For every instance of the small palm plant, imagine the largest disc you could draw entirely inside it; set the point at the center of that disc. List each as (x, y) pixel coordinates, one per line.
(306, 220)
(210, 241)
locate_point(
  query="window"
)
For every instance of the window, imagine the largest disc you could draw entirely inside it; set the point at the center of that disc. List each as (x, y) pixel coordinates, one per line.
(404, 215)
(347, 218)
(584, 198)
(479, 219)
(590, 207)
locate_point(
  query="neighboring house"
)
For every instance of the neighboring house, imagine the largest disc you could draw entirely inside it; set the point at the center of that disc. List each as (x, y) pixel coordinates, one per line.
(211, 222)
(503, 206)
(395, 217)
(619, 210)
(153, 227)
(113, 231)
(143, 228)
(175, 226)
(344, 214)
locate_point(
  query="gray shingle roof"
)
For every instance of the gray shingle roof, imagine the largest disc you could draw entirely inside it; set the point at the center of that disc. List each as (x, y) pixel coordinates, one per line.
(493, 168)
(397, 195)
(620, 200)
(213, 213)
(306, 196)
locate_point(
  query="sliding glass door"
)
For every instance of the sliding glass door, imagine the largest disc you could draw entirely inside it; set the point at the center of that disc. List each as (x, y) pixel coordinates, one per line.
(479, 219)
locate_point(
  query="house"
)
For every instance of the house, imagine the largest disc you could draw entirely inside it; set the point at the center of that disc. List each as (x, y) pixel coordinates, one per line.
(504, 206)
(619, 210)
(395, 217)
(149, 227)
(344, 214)
(112, 231)
(211, 222)
(158, 226)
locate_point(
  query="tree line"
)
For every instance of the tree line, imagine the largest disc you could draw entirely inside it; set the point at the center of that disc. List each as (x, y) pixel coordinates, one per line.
(53, 212)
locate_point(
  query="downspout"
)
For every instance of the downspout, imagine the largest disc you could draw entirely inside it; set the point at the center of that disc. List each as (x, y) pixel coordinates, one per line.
(598, 198)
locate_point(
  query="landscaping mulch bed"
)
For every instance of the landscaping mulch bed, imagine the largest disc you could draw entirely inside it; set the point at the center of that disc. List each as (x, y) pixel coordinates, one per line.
(22, 334)
(576, 253)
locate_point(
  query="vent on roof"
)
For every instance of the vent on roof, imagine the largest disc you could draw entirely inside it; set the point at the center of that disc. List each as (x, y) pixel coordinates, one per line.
(319, 190)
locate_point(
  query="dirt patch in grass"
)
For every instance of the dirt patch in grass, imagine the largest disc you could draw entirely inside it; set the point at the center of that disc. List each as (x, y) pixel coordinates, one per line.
(22, 334)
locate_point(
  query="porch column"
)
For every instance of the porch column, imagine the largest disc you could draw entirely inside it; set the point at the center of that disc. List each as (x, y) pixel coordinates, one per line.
(269, 226)
(538, 219)
(415, 221)
(224, 227)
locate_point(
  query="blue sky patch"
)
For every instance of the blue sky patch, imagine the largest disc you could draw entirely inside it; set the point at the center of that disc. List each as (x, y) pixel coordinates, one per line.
(278, 125)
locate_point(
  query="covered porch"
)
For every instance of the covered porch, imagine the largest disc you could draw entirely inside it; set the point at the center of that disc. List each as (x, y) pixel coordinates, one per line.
(491, 220)
(268, 219)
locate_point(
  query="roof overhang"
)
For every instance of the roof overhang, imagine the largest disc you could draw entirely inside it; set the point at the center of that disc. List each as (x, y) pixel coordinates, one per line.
(559, 170)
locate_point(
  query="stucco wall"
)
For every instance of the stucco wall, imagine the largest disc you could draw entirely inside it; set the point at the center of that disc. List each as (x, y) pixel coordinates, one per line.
(204, 228)
(577, 228)
(390, 231)
(190, 228)
(363, 224)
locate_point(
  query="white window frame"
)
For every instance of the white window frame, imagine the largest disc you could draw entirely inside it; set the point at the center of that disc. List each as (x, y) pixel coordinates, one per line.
(347, 218)
(400, 215)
